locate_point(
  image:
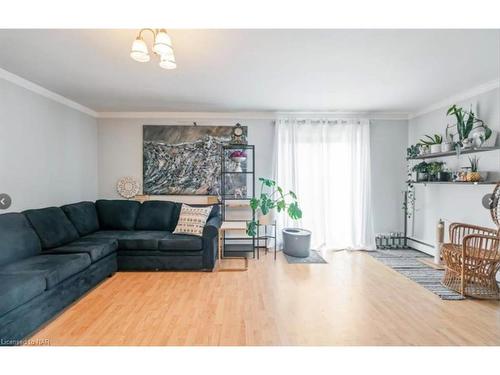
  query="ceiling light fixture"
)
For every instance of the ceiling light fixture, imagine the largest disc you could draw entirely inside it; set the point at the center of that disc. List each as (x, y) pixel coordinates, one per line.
(162, 47)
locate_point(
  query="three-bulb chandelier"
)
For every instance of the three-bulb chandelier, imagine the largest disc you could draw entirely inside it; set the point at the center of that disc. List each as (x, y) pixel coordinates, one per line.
(162, 47)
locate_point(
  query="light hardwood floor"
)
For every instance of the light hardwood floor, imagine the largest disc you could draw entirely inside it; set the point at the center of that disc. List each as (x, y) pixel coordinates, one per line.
(353, 300)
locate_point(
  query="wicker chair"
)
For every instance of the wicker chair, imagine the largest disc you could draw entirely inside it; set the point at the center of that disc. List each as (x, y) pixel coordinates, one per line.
(472, 260)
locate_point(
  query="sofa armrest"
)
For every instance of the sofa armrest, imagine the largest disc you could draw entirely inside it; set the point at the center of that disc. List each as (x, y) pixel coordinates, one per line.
(212, 226)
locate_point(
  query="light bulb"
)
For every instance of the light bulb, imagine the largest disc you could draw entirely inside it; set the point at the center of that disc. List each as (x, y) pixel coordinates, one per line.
(168, 62)
(139, 51)
(163, 44)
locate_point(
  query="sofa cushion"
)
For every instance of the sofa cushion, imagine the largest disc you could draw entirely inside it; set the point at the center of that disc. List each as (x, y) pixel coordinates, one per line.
(18, 240)
(117, 214)
(52, 226)
(180, 242)
(97, 248)
(132, 240)
(55, 268)
(158, 215)
(18, 289)
(192, 220)
(83, 215)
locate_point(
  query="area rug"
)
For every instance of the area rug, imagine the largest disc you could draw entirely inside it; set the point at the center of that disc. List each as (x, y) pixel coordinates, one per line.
(406, 263)
(314, 257)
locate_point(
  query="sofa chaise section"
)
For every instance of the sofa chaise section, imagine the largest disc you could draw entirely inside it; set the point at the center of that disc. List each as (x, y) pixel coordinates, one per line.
(35, 281)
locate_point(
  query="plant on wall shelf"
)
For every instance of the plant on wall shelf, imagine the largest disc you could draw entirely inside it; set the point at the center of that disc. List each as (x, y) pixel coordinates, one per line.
(272, 197)
(474, 175)
(434, 168)
(466, 122)
(412, 152)
(428, 140)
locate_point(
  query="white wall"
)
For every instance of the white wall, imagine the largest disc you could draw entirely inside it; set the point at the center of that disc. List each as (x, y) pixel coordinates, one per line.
(388, 173)
(451, 202)
(48, 151)
(120, 154)
(120, 146)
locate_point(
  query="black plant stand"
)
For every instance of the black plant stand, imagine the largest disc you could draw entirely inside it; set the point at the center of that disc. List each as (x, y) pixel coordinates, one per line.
(271, 235)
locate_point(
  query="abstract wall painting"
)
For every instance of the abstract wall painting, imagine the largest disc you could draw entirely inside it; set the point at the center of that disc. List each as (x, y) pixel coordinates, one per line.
(186, 160)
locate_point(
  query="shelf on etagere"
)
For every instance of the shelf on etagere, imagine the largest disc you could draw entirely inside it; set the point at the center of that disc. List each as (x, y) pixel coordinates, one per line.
(244, 172)
(454, 153)
(455, 182)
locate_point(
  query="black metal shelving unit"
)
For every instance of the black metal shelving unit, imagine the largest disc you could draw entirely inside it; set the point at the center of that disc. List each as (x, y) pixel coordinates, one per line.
(242, 244)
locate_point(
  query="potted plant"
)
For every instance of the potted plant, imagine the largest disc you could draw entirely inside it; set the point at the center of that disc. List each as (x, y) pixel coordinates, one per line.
(473, 175)
(448, 144)
(433, 169)
(467, 122)
(444, 175)
(272, 197)
(422, 170)
(434, 143)
(412, 152)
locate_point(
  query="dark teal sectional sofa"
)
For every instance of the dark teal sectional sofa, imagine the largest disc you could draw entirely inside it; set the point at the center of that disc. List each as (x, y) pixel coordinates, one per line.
(49, 257)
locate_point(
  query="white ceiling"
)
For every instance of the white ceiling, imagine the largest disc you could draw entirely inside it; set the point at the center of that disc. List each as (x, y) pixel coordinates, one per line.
(257, 70)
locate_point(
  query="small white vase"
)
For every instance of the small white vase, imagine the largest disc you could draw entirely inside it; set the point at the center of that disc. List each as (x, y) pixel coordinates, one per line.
(435, 148)
(446, 147)
(238, 160)
(467, 143)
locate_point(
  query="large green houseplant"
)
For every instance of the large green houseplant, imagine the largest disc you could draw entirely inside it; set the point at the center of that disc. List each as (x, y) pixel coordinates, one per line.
(272, 197)
(466, 122)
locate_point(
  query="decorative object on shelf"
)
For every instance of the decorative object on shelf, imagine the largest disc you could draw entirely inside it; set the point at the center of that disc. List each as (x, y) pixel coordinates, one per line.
(466, 143)
(185, 160)
(473, 175)
(240, 193)
(434, 143)
(424, 149)
(422, 171)
(444, 175)
(267, 201)
(433, 169)
(128, 187)
(448, 144)
(238, 135)
(162, 47)
(238, 157)
(466, 122)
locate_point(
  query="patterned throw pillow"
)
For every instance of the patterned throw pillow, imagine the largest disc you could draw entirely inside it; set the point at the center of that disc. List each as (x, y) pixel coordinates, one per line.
(192, 220)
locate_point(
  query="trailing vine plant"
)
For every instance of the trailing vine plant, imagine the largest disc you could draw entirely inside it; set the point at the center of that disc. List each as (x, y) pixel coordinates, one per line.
(408, 206)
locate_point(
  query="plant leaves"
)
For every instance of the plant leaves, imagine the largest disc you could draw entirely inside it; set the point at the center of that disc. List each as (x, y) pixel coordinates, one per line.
(251, 228)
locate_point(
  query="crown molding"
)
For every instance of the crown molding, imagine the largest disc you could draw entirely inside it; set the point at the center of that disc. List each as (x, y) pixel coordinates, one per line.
(37, 89)
(464, 95)
(251, 115)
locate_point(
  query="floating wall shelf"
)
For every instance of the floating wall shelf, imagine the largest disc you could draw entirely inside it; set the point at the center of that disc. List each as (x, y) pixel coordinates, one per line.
(455, 183)
(453, 153)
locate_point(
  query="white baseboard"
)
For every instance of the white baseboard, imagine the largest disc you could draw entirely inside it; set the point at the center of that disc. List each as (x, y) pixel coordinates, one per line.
(421, 246)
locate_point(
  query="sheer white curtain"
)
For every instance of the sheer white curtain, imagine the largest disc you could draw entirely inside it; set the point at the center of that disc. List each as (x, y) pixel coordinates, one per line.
(326, 162)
